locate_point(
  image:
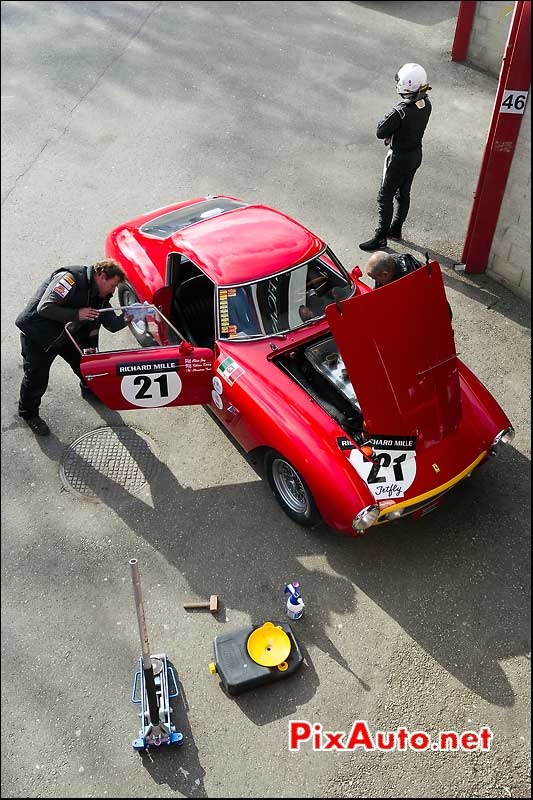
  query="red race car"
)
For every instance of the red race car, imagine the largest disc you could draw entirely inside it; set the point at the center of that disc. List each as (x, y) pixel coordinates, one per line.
(355, 399)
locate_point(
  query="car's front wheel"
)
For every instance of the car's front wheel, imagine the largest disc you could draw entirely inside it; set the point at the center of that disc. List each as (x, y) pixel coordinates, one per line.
(290, 490)
(127, 296)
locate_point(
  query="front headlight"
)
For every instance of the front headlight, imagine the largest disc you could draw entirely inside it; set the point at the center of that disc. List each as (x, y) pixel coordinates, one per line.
(503, 437)
(365, 518)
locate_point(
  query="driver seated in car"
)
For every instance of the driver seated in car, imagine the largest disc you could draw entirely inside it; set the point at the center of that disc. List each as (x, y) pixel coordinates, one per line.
(317, 284)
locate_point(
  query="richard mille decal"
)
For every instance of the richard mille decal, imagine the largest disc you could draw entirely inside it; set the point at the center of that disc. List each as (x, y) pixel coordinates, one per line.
(149, 384)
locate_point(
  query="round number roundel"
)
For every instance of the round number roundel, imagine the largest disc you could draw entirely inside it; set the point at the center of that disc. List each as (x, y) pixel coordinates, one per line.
(389, 474)
(151, 390)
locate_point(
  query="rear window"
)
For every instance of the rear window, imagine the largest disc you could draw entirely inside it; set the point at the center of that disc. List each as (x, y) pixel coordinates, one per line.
(168, 224)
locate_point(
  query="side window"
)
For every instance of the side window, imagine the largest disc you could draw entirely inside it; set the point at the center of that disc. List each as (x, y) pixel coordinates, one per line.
(149, 328)
(238, 313)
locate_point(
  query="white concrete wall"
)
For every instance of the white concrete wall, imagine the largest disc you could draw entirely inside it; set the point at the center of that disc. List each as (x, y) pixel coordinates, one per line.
(489, 35)
(510, 255)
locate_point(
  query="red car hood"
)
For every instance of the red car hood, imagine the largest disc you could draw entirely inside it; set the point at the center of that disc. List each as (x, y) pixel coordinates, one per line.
(398, 347)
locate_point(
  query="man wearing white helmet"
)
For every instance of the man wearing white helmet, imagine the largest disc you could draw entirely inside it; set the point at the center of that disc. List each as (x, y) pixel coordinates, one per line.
(402, 129)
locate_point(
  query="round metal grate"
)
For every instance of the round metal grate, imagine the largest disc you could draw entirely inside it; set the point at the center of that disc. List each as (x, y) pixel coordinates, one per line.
(105, 462)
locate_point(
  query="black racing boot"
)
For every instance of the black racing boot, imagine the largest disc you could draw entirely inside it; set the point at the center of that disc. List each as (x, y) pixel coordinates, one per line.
(37, 425)
(377, 242)
(395, 231)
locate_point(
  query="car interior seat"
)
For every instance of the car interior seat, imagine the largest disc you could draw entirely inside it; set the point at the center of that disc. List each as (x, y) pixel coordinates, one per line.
(194, 306)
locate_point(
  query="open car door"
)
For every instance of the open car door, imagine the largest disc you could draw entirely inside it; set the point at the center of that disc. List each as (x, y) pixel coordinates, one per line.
(170, 373)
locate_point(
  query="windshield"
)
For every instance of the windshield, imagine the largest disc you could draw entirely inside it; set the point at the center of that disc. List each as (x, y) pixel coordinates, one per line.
(280, 303)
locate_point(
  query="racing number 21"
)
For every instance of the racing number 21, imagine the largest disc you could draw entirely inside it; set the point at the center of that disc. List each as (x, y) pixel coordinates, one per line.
(151, 391)
(384, 460)
(145, 383)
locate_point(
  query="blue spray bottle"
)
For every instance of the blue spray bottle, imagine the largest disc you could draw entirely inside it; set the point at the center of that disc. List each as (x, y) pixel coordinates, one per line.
(295, 604)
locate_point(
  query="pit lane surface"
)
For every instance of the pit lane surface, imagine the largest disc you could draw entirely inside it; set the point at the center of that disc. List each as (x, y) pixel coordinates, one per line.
(110, 109)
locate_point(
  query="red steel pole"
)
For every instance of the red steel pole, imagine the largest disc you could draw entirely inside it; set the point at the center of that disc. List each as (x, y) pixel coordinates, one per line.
(509, 107)
(463, 28)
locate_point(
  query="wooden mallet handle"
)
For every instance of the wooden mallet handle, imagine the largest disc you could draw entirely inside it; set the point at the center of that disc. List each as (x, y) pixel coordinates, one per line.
(211, 604)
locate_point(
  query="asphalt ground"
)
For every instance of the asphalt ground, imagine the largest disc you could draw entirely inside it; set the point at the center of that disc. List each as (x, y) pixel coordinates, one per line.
(111, 109)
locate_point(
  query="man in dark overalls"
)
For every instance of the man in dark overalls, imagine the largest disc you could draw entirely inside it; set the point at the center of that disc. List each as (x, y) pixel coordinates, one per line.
(74, 295)
(384, 268)
(402, 129)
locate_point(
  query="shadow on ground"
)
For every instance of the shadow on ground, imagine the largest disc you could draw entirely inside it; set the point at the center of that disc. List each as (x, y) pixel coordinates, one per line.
(480, 288)
(162, 768)
(456, 581)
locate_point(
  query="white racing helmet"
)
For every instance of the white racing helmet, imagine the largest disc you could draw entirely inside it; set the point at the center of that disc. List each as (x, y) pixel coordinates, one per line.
(411, 79)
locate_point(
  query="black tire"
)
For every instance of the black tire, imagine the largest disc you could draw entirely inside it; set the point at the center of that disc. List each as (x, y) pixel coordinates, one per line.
(127, 296)
(290, 490)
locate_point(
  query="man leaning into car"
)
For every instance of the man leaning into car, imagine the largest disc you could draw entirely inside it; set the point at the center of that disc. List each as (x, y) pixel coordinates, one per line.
(69, 295)
(384, 268)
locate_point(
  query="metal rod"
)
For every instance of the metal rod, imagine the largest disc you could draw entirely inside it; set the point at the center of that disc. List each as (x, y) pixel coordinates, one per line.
(148, 307)
(145, 646)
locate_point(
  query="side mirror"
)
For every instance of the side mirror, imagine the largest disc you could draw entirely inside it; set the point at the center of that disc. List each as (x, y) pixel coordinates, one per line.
(186, 348)
(356, 273)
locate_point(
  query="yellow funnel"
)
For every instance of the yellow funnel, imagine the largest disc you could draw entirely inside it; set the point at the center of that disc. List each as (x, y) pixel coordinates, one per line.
(268, 645)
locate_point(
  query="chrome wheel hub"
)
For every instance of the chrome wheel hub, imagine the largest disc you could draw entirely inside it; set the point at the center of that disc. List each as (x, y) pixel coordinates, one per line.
(290, 486)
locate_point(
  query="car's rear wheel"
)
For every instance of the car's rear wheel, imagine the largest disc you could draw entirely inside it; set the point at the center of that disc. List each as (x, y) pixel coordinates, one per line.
(290, 490)
(127, 296)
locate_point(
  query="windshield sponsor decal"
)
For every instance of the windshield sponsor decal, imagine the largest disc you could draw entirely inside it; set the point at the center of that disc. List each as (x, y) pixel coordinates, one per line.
(225, 328)
(223, 310)
(390, 470)
(231, 330)
(230, 370)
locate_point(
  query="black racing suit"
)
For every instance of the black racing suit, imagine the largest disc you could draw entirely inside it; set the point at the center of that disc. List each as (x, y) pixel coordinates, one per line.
(56, 302)
(403, 264)
(403, 129)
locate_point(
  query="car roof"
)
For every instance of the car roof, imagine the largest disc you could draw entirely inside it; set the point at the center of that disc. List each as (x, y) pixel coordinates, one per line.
(243, 243)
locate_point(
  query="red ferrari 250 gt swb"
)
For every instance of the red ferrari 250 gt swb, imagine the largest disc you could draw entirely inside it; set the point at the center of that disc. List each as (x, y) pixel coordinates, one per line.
(355, 399)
